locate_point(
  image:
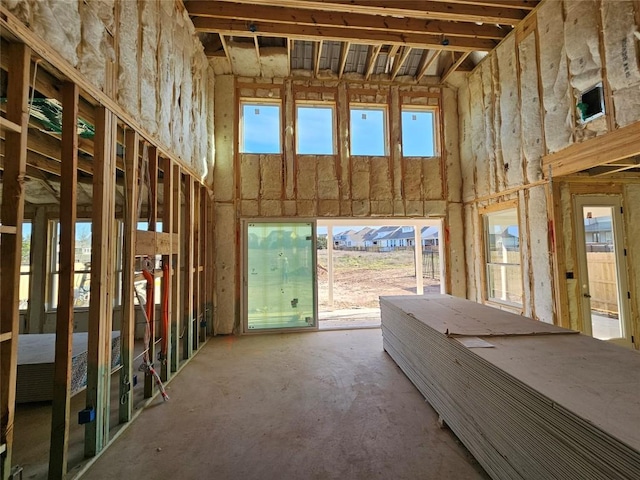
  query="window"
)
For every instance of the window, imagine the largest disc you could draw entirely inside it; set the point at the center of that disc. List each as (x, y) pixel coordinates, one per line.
(82, 267)
(502, 256)
(260, 128)
(25, 266)
(314, 130)
(418, 133)
(368, 131)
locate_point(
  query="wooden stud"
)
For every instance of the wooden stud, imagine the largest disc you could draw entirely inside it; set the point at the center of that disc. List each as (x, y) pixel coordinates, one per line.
(257, 45)
(127, 332)
(203, 263)
(425, 62)
(10, 126)
(197, 305)
(153, 216)
(317, 56)
(177, 313)
(188, 229)
(66, 281)
(453, 67)
(167, 227)
(101, 303)
(344, 54)
(372, 59)
(398, 64)
(11, 214)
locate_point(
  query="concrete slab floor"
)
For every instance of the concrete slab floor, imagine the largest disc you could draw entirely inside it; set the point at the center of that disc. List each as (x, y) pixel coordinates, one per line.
(322, 405)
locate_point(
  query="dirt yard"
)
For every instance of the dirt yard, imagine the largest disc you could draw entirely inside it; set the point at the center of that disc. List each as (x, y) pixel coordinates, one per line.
(361, 277)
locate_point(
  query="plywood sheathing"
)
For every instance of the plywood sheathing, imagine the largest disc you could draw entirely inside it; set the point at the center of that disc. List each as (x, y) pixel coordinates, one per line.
(620, 26)
(583, 52)
(557, 98)
(530, 114)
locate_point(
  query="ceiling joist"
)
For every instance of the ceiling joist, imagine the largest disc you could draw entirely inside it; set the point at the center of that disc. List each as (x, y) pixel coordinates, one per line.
(428, 58)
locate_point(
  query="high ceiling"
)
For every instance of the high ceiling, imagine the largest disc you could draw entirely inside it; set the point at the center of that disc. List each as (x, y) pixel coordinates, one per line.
(389, 39)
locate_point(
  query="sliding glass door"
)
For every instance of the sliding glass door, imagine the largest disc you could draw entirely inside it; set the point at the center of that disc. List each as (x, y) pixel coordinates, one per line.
(279, 276)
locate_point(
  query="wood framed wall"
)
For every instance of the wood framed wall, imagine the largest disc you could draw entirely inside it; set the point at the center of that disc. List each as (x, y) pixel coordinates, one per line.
(110, 169)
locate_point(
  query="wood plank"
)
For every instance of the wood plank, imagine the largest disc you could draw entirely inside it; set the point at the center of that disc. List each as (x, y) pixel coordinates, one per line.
(127, 332)
(100, 307)
(613, 146)
(167, 260)
(328, 18)
(12, 213)
(317, 55)
(188, 249)
(454, 67)
(177, 249)
(428, 10)
(66, 281)
(425, 62)
(4, 337)
(344, 54)
(372, 59)
(367, 37)
(399, 63)
(9, 230)
(150, 244)
(9, 125)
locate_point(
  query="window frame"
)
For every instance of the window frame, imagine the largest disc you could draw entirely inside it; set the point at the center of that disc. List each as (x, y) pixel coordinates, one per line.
(257, 102)
(485, 213)
(29, 272)
(436, 128)
(334, 129)
(385, 126)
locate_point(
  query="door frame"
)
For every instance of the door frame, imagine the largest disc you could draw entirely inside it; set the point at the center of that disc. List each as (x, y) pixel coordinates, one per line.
(617, 227)
(244, 305)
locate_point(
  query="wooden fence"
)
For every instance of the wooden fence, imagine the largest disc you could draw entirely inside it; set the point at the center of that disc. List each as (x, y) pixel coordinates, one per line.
(603, 282)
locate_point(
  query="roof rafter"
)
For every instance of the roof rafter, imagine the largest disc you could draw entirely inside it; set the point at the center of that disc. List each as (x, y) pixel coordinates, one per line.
(398, 64)
(344, 53)
(426, 61)
(317, 55)
(303, 32)
(454, 66)
(372, 58)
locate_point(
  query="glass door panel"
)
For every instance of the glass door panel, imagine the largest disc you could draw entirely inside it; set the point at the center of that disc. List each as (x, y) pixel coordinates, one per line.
(280, 276)
(602, 276)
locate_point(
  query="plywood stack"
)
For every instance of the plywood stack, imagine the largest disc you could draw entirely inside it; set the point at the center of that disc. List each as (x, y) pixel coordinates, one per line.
(528, 399)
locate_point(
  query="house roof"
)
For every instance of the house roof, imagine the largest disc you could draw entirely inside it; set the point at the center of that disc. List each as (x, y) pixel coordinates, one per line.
(367, 37)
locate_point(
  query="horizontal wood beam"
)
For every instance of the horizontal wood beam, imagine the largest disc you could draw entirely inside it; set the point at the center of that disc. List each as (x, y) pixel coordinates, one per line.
(428, 10)
(454, 66)
(9, 126)
(328, 18)
(154, 243)
(373, 37)
(613, 146)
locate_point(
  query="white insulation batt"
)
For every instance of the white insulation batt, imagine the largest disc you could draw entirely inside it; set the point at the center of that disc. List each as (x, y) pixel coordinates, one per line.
(509, 112)
(479, 151)
(540, 254)
(557, 98)
(452, 147)
(159, 59)
(621, 46)
(129, 73)
(582, 44)
(489, 119)
(467, 167)
(531, 118)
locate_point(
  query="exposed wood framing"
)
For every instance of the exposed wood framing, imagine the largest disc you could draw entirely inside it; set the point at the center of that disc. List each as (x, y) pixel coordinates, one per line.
(66, 282)
(167, 260)
(367, 37)
(188, 229)
(617, 145)
(11, 215)
(426, 61)
(317, 56)
(344, 54)
(127, 332)
(102, 266)
(400, 62)
(203, 287)
(372, 58)
(257, 45)
(176, 283)
(153, 217)
(453, 67)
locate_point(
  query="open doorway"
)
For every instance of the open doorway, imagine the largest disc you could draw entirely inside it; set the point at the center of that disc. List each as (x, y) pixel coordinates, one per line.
(360, 260)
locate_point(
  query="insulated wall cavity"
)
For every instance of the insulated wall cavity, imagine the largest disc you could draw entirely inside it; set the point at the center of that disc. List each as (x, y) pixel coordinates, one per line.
(540, 252)
(129, 69)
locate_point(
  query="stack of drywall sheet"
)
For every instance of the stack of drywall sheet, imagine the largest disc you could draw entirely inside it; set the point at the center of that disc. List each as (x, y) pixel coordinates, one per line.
(528, 399)
(36, 356)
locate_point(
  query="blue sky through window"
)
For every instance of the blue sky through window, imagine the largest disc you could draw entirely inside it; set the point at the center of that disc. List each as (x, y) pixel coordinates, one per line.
(417, 134)
(260, 128)
(368, 131)
(315, 130)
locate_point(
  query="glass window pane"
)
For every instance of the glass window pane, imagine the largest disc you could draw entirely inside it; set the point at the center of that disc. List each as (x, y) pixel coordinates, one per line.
(368, 131)
(314, 130)
(502, 244)
(260, 128)
(280, 281)
(417, 133)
